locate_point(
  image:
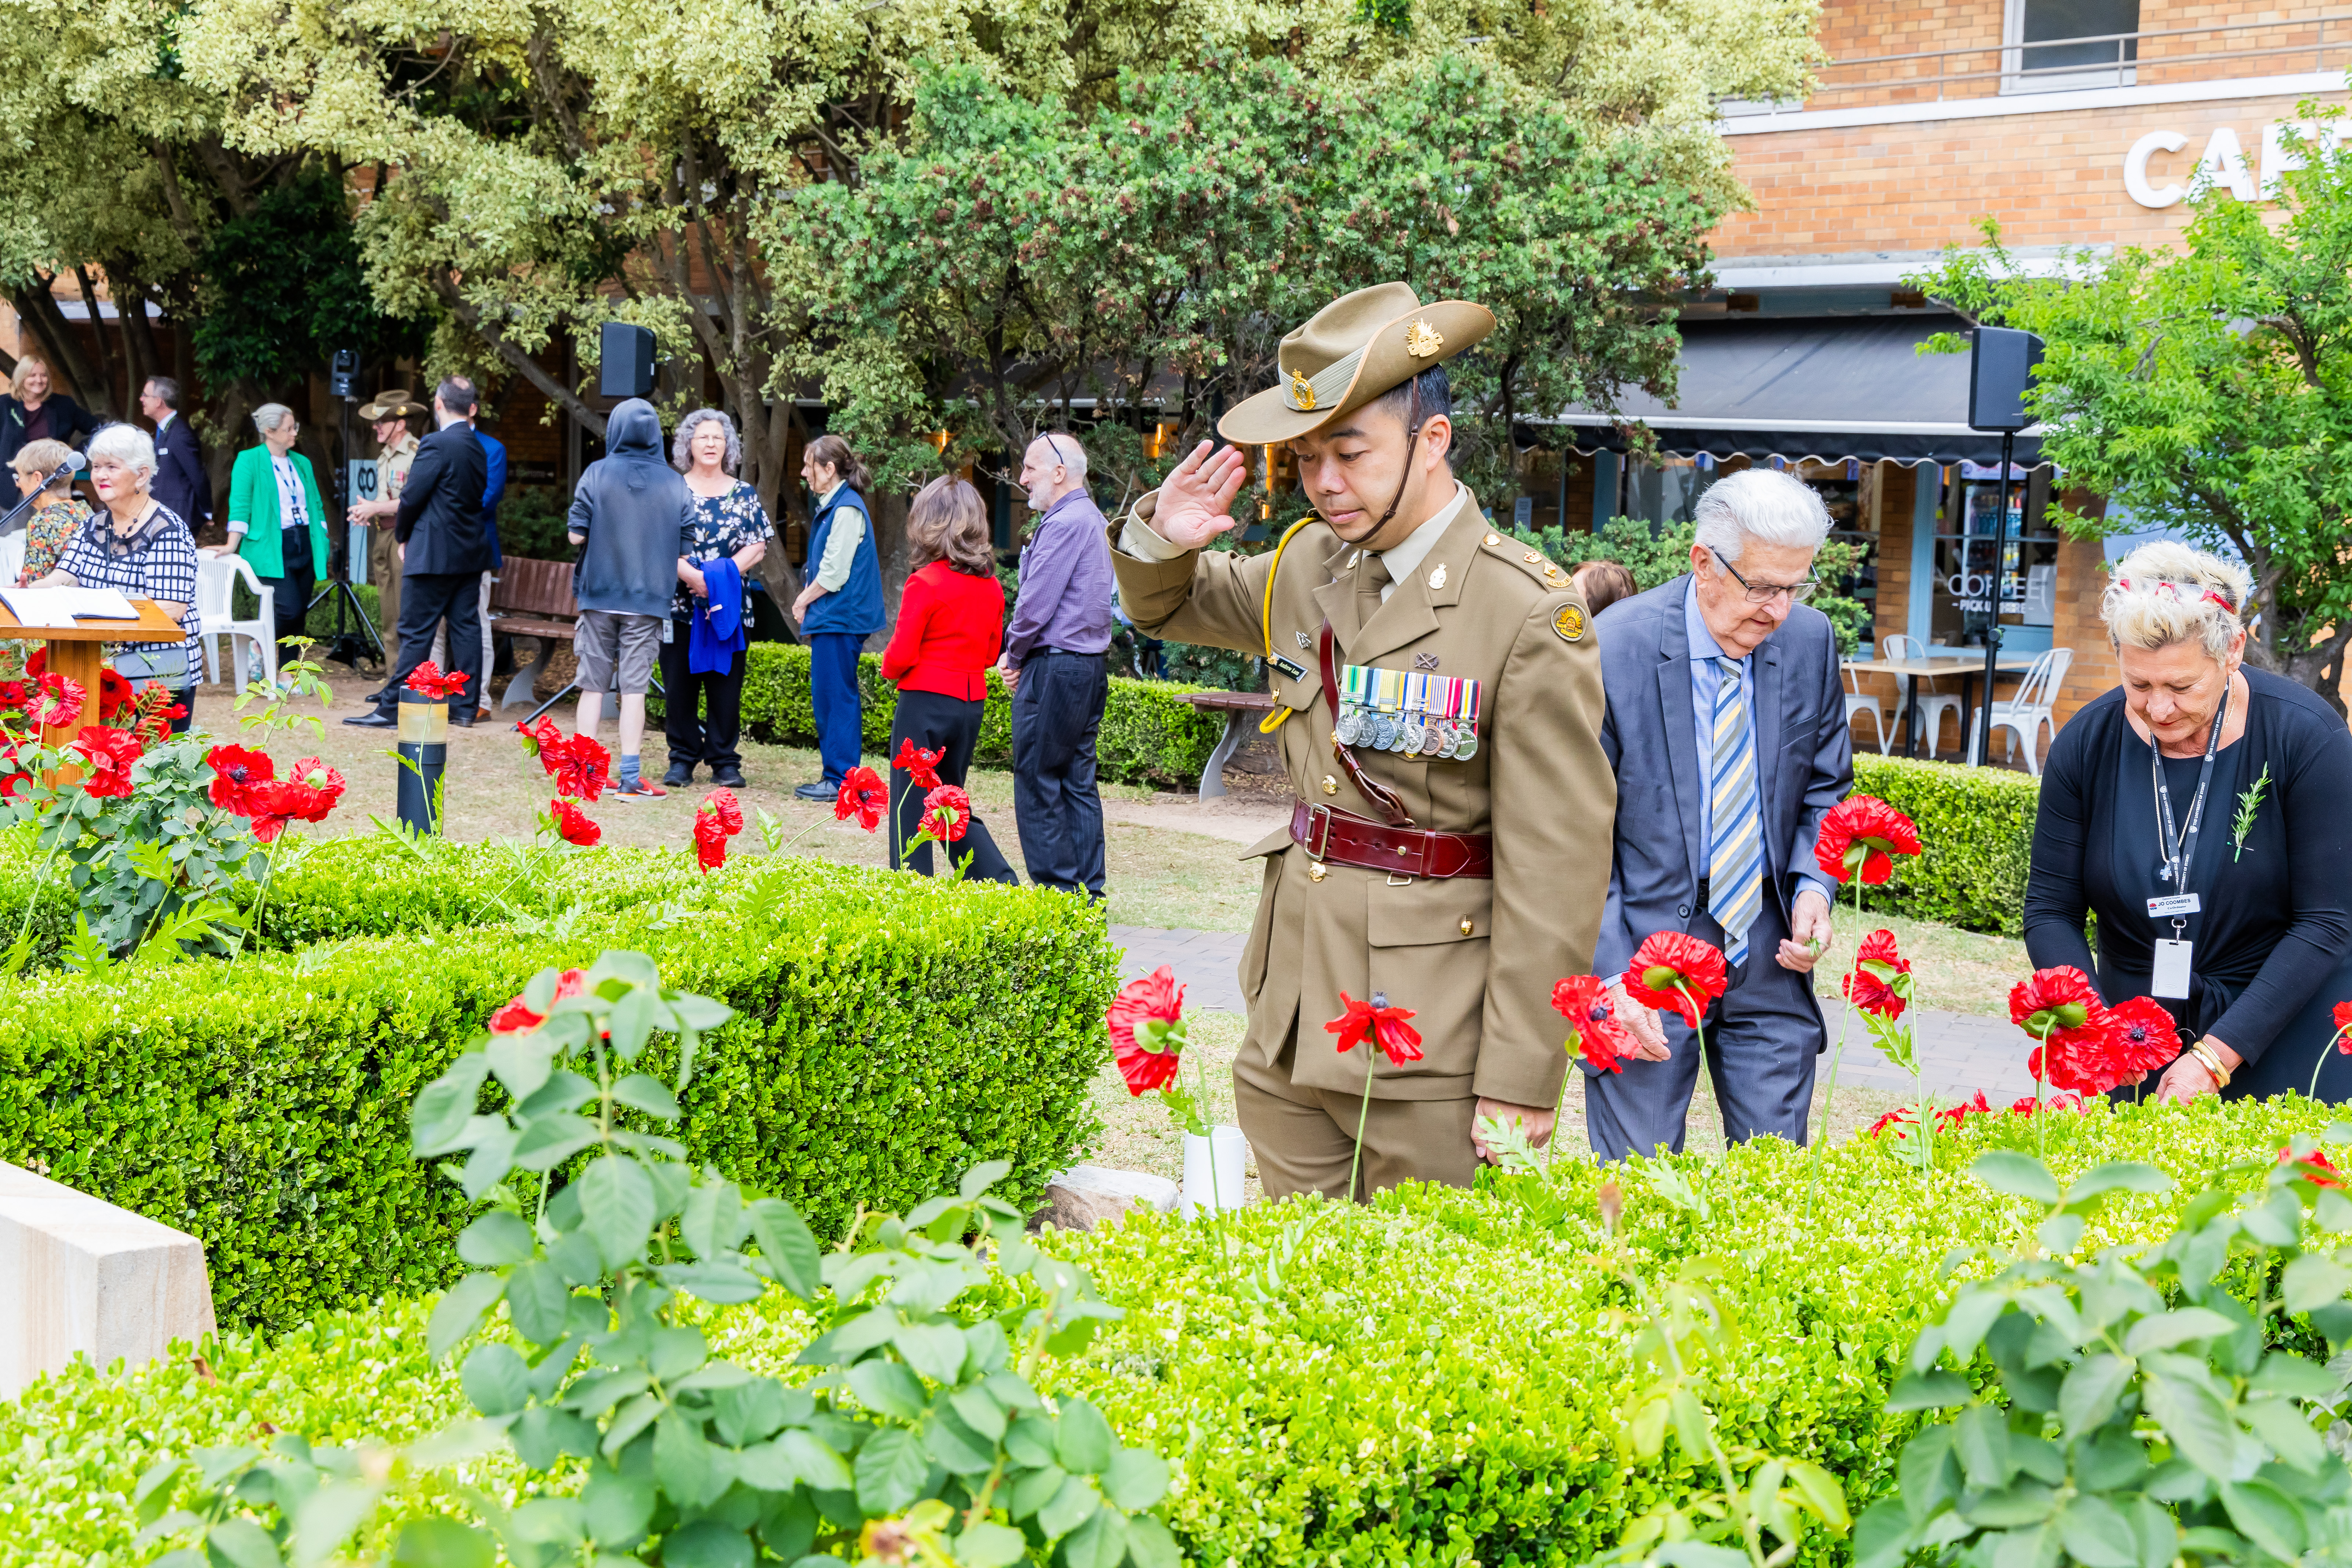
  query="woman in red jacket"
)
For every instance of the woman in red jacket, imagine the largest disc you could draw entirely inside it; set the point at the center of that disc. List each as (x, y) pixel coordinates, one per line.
(951, 630)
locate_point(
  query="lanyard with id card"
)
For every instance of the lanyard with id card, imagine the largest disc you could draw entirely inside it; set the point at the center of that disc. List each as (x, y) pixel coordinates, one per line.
(2170, 971)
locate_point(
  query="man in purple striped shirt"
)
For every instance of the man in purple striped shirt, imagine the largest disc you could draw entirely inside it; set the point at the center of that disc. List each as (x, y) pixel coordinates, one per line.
(1054, 661)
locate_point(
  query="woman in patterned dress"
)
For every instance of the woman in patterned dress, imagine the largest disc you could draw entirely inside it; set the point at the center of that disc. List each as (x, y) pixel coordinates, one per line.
(702, 710)
(55, 515)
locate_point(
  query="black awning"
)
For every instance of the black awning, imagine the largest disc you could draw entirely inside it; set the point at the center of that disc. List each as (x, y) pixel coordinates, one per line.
(1823, 387)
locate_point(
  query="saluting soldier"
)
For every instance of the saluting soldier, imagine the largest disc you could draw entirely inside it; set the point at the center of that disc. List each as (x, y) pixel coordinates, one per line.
(395, 450)
(1439, 717)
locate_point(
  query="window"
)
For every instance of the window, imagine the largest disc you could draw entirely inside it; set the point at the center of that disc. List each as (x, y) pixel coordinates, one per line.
(2059, 45)
(1964, 527)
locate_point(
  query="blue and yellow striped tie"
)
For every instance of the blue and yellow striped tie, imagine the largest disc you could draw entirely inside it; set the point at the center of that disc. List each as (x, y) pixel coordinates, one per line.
(1735, 854)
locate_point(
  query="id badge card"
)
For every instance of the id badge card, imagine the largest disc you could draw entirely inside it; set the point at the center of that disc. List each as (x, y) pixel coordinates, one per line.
(2170, 977)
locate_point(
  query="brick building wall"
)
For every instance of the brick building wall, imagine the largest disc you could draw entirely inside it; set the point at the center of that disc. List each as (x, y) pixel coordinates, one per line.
(2051, 179)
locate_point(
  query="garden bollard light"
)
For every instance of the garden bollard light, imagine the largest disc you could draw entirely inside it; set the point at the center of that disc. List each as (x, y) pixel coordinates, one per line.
(423, 748)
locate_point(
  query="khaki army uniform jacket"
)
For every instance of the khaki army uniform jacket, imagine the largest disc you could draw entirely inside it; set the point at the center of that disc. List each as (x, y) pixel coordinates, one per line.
(1475, 959)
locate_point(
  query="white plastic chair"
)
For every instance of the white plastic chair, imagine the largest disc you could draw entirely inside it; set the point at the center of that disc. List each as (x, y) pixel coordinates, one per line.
(1859, 702)
(1933, 705)
(2024, 714)
(215, 575)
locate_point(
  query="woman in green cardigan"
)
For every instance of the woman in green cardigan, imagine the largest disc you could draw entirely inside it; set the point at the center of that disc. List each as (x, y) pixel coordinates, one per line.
(275, 518)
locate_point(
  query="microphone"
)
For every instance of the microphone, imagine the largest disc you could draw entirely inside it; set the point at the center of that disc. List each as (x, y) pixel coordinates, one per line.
(75, 462)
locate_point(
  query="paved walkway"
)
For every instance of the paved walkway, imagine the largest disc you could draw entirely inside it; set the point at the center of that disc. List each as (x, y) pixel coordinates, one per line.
(1963, 1051)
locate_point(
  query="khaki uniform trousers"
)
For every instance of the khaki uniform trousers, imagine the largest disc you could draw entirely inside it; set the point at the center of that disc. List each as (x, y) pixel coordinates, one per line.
(1303, 1138)
(384, 571)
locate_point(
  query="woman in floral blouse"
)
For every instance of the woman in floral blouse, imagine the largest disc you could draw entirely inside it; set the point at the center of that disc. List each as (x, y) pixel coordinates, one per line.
(54, 516)
(702, 708)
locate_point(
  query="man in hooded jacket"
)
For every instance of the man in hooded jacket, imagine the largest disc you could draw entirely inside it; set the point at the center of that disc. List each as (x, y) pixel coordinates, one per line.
(443, 548)
(631, 519)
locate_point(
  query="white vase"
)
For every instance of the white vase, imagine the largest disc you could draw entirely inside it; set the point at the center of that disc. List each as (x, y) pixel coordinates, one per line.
(1233, 1161)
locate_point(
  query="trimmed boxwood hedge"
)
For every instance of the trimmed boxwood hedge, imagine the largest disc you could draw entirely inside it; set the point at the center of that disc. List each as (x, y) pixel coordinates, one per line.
(332, 890)
(1976, 836)
(1148, 736)
(1437, 1379)
(891, 1032)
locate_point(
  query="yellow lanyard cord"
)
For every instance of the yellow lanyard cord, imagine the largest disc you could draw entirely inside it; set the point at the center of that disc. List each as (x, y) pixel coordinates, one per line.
(1280, 716)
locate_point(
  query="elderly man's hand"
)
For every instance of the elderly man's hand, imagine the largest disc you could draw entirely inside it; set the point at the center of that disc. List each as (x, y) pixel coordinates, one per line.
(1809, 932)
(1010, 671)
(1194, 498)
(1642, 1023)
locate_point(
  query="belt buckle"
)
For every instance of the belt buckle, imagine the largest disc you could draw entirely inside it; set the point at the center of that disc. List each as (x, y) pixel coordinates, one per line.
(1318, 831)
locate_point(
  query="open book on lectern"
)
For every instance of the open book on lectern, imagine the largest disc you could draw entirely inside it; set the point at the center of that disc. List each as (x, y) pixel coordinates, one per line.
(62, 608)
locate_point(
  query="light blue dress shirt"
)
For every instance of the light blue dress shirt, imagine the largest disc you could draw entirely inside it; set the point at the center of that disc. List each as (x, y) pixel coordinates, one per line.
(1707, 680)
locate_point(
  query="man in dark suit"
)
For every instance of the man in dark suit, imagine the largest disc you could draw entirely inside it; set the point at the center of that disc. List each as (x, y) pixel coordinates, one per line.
(181, 482)
(1726, 728)
(444, 544)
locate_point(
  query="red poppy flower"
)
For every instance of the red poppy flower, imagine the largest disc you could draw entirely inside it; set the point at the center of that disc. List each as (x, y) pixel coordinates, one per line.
(237, 770)
(427, 680)
(946, 814)
(536, 743)
(2344, 1027)
(861, 796)
(2071, 1027)
(1900, 1117)
(1147, 1030)
(323, 786)
(108, 753)
(58, 703)
(2060, 1101)
(1377, 1021)
(571, 824)
(924, 766)
(113, 692)
(2143, 1040)
(1881, 981)
(582, 768)
(720, 807)
(1592, 1026)
(710, 850)
(270, 805)
(36, 665)
(516, 1018)
(1675, 972)
(1860, 834)
(1954, 1115)
(2317, 1169)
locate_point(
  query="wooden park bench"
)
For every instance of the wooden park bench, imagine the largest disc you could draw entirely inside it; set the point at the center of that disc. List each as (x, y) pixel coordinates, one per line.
(1243, 712)
(533, 599)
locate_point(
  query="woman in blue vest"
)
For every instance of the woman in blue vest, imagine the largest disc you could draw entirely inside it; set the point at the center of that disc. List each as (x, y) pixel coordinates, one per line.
(841, 606)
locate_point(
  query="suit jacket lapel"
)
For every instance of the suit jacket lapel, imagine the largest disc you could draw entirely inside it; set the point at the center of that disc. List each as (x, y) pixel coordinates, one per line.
(1682, 760)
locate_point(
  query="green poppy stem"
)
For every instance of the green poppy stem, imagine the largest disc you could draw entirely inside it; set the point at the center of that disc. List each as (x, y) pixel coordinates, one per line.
(1371, 1059)
(2335, 1040)
(1558, 1103)
(1698, 1032)
(2042, 1096)
(1829, 1095)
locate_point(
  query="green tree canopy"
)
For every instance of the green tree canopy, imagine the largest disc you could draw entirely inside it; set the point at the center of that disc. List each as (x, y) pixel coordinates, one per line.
(2209, 390)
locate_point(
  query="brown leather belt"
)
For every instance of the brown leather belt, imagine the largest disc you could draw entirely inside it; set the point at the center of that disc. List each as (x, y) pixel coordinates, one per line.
(1343, 838)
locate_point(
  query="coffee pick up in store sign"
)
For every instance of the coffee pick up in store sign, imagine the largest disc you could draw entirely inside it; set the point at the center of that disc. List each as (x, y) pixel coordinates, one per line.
(2223, 160)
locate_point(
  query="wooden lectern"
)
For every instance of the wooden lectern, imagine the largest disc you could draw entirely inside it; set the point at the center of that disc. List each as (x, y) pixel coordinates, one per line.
(76, 653)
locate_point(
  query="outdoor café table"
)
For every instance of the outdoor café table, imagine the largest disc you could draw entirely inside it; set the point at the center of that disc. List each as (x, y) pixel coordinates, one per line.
(76, 653)
(1242, 709)
(1967, 669)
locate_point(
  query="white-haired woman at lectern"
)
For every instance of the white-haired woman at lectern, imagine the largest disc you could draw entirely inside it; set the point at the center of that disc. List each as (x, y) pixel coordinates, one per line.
(142, 548)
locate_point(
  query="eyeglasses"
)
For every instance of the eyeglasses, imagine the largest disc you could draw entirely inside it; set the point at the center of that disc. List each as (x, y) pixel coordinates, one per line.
(1765, 593)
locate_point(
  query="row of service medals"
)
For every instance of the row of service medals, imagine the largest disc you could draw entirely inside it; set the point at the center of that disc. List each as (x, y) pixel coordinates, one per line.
(1409, 713)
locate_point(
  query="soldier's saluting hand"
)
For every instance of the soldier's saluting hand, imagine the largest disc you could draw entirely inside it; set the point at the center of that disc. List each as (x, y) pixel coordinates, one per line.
(1440, 715)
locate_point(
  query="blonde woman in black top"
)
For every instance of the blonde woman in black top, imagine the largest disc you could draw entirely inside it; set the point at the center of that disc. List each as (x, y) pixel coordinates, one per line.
(2200, 811)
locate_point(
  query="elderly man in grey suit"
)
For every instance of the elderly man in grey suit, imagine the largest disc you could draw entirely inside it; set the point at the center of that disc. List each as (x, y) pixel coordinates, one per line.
(1726, 728)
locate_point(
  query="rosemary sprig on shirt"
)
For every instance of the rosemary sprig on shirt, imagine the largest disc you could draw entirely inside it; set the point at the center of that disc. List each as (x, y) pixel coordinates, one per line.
(2248, 803)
